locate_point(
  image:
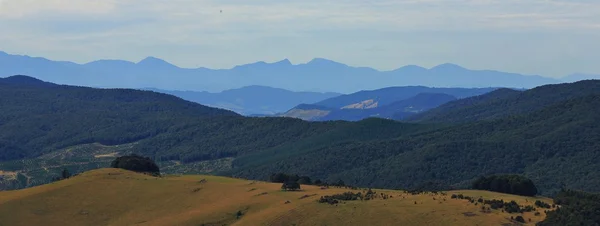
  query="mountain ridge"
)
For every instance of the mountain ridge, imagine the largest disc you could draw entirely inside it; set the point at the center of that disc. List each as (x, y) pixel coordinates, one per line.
(155, 72)
(251, 100)
(506, 102)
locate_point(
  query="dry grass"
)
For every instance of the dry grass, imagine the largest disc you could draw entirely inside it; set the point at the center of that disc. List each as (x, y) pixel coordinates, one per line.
(365, 104)
(117, 197)
(306, 114)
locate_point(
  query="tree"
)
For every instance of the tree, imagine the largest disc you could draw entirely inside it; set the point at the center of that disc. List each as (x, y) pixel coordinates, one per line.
(305, 180)
(136, 163)
(279, 178)
(65, 174)
(511, 184)
(290, 185)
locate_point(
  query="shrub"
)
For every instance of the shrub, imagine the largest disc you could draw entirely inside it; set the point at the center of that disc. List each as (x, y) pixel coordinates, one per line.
(528, 209)
(512, 207)
(520, 219)
(541, 204)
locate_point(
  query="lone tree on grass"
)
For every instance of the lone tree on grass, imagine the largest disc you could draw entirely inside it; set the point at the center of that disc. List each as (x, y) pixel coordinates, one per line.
(136, 163)
(290, 186)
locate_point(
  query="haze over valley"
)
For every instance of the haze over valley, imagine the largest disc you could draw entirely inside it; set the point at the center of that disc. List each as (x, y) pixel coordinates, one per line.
(299, 113)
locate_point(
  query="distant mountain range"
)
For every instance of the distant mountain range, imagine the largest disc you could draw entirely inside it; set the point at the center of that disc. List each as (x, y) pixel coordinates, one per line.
(251, 100)
(391, 103)
(317, 75)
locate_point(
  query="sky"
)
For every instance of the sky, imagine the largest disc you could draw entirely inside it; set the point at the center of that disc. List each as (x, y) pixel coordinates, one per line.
(544, 37)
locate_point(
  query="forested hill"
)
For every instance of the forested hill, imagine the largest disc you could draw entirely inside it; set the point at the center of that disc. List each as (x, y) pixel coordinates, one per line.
(505, 102)
(554, 143)
(39, 117)
(22, 80)
(555, 146)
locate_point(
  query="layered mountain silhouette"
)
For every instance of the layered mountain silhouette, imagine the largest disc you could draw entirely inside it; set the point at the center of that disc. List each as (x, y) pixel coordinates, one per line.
(391, 103)
(252, 100)
(316, 75)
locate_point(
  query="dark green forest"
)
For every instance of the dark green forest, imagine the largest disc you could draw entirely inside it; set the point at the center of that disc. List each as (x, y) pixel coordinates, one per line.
(553, 141)
(511, 184)
(136, 163)
(575, 208)
(506, 102)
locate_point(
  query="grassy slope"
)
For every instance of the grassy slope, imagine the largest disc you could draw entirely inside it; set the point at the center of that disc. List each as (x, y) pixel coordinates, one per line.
(117, 197)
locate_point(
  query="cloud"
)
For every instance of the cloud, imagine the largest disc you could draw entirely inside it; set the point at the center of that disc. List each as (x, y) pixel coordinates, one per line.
(26, 8)
(196, 33)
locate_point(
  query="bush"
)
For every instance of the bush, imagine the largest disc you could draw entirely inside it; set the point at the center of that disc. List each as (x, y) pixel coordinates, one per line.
(136, 163)
(512, 207)
(349, 196)
(494, 203)
(520, 219)
(541, 204)
(528, 209)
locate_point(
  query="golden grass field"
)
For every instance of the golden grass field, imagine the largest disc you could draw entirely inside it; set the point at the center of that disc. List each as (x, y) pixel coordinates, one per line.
(119, 197)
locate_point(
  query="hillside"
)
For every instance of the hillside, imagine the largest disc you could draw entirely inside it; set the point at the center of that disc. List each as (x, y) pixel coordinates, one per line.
(252, 100)
(39, 121)
(37, 118)
(396, 110)
(505, 102)
(160, 74)
(390, 95)
(46, 128)
(392, 102)
(118, 197)
(549, 146)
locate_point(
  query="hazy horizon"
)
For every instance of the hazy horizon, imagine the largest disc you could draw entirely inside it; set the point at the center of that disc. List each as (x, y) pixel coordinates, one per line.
(551, 38)
(291, 62)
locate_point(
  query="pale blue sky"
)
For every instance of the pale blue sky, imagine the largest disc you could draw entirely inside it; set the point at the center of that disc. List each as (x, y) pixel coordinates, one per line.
(546, 37)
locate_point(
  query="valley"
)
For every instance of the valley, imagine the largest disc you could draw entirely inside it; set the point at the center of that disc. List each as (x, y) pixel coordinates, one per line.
(48, 132)
(299, 113)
